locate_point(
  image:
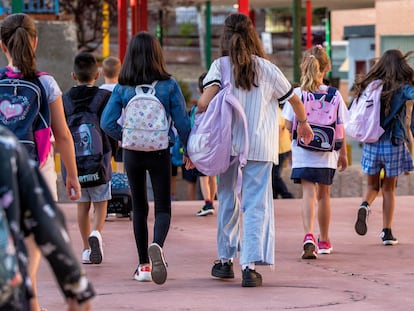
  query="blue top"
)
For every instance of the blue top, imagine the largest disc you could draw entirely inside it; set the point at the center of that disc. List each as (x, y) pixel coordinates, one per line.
(169, 94)
(394, 123)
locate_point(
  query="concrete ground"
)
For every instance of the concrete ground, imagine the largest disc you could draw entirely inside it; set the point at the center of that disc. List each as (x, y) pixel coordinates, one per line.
(361, 273)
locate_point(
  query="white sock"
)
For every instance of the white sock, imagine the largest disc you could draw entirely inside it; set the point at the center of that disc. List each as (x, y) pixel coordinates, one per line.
(250, 265)
(226, 260)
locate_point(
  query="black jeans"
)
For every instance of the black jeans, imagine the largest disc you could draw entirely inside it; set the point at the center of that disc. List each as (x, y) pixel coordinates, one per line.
(158, 165)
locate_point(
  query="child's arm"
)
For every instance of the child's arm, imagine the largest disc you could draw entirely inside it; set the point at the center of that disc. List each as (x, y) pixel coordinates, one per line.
(408, 111)
(343, 157)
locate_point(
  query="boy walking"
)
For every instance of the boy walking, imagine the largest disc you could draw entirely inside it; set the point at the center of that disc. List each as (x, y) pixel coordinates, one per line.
(83, 106)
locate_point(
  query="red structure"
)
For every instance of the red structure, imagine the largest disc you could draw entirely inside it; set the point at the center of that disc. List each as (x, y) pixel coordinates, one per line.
(308, 24)
(139, 21)
(122, 28)
(244, 7)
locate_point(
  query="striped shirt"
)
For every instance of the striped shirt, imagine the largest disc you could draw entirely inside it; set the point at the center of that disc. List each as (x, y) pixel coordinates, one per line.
(261, 106)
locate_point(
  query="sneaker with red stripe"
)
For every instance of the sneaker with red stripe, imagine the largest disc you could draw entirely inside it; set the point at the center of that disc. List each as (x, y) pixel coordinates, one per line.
(143, 273)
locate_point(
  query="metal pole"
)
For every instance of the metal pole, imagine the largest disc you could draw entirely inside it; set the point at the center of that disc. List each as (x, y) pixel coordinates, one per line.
(122, 27)
(143, 16)
(297, 42)
(208, 34)
(244, 7)
(308, 24)
(328, 39)
(105, 29)
(17, 6)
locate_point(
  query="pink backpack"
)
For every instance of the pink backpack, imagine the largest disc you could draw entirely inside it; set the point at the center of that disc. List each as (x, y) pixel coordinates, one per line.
(209, 145)
(322, 115)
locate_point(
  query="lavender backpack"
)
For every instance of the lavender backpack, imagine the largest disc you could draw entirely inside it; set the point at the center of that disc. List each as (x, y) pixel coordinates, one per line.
(209, 145)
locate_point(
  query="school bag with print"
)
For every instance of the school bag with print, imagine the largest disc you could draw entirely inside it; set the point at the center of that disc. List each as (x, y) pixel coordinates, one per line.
(209, 144)
(10, 276)
(145, 124)
(92, 149)
(24, 110)
(364, 115)
(322, 116)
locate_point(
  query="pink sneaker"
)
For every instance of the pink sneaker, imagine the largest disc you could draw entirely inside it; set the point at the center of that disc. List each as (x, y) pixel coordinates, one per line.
(309, 247)
(324, 247)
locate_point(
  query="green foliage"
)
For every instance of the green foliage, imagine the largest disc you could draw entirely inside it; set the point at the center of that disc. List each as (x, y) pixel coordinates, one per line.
(185, 31)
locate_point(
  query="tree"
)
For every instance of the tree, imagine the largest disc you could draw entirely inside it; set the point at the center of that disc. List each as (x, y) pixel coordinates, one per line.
(87, 15)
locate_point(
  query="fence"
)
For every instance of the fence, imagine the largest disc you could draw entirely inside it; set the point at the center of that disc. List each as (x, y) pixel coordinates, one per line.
(29, 6)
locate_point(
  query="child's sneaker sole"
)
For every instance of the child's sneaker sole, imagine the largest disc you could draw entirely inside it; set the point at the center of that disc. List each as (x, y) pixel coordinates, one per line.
(309, 251)
(158, 265)
(96, 254)
(361, 224)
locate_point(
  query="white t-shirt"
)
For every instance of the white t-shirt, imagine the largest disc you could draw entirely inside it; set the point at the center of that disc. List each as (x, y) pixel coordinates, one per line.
(261, 106)
(302, 157)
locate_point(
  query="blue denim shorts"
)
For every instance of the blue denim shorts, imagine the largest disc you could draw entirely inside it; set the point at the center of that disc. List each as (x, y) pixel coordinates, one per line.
(96, 194)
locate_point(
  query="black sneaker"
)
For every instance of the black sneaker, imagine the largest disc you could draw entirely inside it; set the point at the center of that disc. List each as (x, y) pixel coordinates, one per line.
(387, 237)
(223, 270)
(251, 278)
(207, 209)
(361, 226)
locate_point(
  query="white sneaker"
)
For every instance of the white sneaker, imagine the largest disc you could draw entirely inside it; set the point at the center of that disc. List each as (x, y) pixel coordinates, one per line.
(143, 273)
(158, 265)
(95, 242)
(86, 254)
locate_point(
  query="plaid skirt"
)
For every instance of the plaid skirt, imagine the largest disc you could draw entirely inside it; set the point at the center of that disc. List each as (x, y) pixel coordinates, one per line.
(394, 159)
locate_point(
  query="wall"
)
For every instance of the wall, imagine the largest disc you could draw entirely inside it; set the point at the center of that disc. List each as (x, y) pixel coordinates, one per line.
(55, 51)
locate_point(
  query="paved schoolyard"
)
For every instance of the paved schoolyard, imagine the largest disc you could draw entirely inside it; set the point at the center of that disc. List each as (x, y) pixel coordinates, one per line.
(360, 274)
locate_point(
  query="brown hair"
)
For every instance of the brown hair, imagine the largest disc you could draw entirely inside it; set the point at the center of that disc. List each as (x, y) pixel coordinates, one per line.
(18, 32)
(315, 62)
(394, 71)
(144, 61)
(240, 41)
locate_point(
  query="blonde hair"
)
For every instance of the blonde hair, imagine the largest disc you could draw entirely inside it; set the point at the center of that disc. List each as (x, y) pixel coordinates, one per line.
(111, 66)
(315, 62)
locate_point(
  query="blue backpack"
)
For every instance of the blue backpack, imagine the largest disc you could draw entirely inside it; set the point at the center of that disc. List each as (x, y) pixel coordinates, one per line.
(24, 110)
(92, 148)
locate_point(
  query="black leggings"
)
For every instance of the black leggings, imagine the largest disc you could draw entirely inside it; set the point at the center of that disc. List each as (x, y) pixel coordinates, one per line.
(158, 165)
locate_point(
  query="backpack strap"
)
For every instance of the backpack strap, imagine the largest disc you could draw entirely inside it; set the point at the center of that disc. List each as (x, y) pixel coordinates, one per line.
(231, 99)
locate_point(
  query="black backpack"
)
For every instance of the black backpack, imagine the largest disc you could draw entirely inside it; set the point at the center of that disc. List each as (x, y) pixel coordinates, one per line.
(92, 148)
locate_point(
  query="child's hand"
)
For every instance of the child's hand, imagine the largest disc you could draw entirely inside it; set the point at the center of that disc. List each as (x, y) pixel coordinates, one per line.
(342, 162)
(73, 188)
(188, 164)
(304, 132)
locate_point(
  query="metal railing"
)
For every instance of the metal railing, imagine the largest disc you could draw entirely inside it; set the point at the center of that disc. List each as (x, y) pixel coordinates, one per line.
(29, 6)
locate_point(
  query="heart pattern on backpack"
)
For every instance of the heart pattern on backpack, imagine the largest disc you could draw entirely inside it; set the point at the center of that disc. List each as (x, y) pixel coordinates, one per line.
(10, 110)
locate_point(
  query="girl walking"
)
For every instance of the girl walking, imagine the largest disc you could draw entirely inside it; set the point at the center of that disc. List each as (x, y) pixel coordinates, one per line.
(390, 153)
(260, 86)
(315, 170)
(144, 64)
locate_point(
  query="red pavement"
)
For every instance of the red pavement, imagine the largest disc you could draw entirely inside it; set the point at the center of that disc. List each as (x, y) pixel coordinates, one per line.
(361, 273)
